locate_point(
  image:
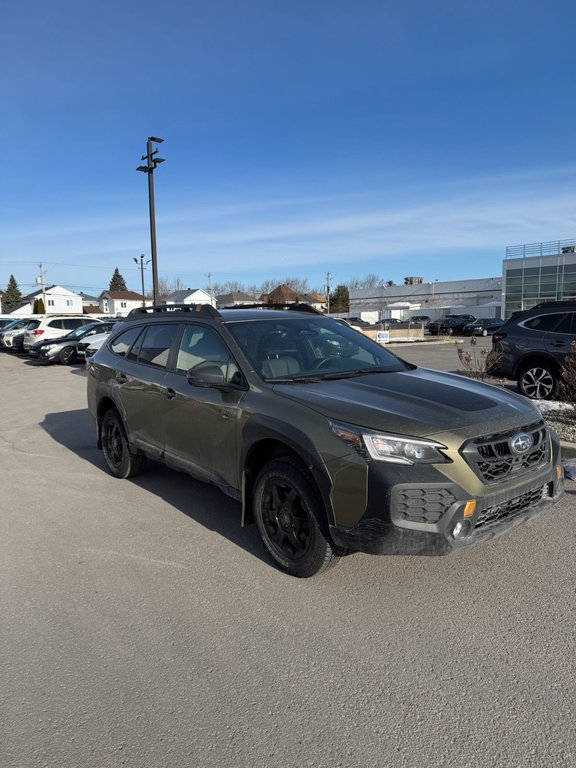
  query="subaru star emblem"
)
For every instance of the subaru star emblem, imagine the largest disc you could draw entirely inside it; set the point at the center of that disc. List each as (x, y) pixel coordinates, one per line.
(521, 443)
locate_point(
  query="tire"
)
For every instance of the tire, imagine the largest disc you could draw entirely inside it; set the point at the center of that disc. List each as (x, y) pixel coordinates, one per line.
(119, 459)
(67, 356)
(538, 381)
(291, 519)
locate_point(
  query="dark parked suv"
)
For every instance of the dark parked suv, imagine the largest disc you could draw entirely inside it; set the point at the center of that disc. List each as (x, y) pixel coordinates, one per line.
(532, 346)
(331, 443)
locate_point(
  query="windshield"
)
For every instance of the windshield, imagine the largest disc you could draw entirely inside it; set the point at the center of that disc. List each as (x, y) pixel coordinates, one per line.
(83, 330)
(317, 348)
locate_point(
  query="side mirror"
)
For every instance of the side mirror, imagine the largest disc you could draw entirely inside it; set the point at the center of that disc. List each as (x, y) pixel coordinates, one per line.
(205, 375)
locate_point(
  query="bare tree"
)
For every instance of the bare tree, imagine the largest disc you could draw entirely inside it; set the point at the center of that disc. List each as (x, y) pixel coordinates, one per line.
(368, 281)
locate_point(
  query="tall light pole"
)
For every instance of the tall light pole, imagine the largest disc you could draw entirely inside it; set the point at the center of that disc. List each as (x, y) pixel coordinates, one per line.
(151, 162)
(142, 268)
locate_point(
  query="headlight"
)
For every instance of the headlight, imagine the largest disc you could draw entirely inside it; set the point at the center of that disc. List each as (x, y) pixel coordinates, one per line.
(394, 449)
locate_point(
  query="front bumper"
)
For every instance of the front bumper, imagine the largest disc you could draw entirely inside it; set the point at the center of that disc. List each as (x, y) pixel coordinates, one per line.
(420, 519)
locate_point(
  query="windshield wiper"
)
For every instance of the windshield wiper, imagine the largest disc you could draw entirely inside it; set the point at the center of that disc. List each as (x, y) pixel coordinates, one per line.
(354, 372)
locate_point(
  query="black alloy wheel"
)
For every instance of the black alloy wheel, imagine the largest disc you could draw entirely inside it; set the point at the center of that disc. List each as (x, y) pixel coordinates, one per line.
(120, 461)
(67, 356)
(291, 519)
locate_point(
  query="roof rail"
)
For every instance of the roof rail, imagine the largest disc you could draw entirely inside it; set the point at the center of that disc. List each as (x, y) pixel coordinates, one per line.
(294, 307)
(200, 310)
(551, 304)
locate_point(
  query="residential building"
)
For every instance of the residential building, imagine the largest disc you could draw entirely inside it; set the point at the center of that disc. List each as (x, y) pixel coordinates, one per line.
(538, 272)
(119, 303)
(234, 299)
(57, 301)
(190, 296)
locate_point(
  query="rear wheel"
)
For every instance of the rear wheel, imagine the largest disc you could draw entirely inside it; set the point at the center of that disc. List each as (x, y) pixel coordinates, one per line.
(119, 459)
(538, 381)
(67, 356)
(291, 519)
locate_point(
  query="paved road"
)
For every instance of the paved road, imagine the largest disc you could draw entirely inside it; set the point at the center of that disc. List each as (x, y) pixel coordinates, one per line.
(142, 627)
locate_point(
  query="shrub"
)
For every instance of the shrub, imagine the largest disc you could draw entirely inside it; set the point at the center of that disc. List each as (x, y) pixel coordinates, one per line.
(477, 363)
(567, 389)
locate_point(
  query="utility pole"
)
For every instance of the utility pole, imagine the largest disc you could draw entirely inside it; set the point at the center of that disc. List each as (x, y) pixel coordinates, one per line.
(40, 281)
(142, 268)
(151, 162)
(328, 279)
(209, 276)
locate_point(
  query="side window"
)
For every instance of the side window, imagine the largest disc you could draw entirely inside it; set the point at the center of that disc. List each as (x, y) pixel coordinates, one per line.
(57, 324)
(543, 322)
(72, 322)
(567, 324)
(156, 344)
(122, 343)
(203, 346)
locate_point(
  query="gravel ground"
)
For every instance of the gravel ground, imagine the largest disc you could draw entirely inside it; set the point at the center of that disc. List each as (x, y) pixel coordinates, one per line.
(561, 417)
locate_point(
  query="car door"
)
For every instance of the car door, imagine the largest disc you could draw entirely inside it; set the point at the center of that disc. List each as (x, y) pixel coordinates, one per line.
(202, 423)
(559, 341)
(140, 382)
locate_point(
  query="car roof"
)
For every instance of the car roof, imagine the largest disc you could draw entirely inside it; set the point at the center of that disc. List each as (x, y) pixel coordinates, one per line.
(207, 312)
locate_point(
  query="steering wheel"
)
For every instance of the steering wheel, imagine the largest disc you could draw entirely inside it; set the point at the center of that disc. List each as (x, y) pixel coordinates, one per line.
(326, 363)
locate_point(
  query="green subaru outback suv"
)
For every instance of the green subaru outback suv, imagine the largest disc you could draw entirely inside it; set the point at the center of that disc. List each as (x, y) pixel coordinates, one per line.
(331, 443)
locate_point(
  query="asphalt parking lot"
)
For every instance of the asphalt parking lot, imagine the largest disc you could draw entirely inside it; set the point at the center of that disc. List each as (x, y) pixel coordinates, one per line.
(143, 627)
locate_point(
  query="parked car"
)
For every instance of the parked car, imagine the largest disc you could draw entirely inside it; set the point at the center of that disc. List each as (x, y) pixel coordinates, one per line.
(449, 325)
(331, 442)
(53, 326)
(15, 340)
(11, 329)
(420, 319)
(482, 327)
(89, 347)
(66, 350)
(531, 347)
(358, 322)
(5, 321)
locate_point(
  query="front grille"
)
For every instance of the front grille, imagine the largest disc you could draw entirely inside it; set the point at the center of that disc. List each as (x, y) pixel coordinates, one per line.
(512, 508)
(493, 459)
(423, 505)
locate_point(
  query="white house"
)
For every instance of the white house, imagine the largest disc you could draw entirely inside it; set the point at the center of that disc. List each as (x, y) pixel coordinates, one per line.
(119, 303)
(190, 296)
(57, 301)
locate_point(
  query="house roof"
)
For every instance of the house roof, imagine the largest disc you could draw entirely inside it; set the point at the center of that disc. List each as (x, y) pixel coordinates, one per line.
(316, 298)
(234, 296)
(282, 294)
(121, 295)
(179, 296)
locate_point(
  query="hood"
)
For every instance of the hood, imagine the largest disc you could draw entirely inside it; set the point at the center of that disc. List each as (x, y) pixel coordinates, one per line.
(417, 402)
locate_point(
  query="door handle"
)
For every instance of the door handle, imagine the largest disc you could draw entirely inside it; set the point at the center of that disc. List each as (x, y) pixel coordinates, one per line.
(170, 393)
(558, 344)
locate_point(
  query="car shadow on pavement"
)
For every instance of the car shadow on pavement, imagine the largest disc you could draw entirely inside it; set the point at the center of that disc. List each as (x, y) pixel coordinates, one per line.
(199, 501)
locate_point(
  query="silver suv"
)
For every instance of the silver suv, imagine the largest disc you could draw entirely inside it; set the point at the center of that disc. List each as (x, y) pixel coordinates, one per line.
(532, 346)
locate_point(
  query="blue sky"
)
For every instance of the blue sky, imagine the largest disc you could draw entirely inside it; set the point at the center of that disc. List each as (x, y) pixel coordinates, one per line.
(301, 137)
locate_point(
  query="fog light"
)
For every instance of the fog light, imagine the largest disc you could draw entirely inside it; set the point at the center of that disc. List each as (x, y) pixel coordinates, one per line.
(462, 529)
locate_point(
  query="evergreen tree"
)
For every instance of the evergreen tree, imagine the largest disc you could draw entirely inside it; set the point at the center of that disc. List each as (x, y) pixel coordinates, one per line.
(117, 283)
(39, 308)
(12, 296)
(340, 299)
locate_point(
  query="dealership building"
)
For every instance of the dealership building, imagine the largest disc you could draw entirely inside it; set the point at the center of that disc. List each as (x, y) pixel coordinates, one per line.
(538, 272)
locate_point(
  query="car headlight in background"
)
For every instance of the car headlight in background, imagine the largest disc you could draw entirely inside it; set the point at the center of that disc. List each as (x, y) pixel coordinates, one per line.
(394, 449)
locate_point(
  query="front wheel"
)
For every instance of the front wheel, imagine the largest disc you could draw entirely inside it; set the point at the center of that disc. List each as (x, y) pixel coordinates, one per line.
(67, 356)
(538, 381)
(119, 459)
(291, 519)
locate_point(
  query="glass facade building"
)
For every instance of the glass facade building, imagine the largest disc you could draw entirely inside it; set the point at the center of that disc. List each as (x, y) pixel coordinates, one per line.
(531, 279)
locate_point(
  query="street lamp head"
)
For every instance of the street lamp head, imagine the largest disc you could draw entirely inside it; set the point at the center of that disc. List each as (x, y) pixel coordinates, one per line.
(142, 168)
(155, 139)
(159, 160)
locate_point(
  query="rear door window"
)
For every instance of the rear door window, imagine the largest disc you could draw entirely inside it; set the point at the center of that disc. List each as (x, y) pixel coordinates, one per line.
(154, 347)
(544, 322)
